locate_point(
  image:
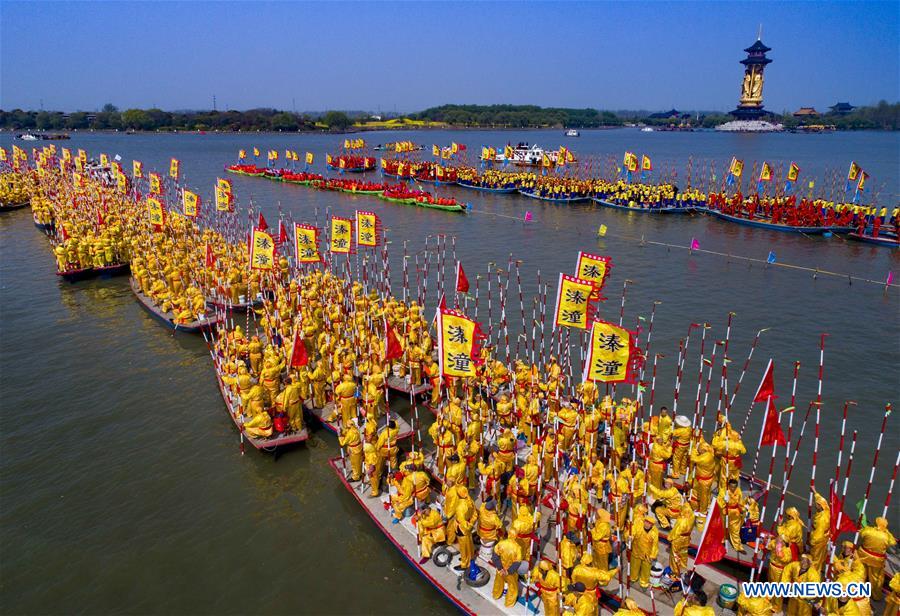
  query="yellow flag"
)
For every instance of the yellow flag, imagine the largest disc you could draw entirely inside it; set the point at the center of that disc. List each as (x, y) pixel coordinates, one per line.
(309, 158)
(82, 155)
(342, 162)
(456, 344)
(224, 199)
(573, 298)
(121, 181)
(137, 169)
(3, 154)
(79, 164)
(104, 160)
(366, 228)
(329, 160)
(262, 251)
(765, 174)
(242, 154)
(256, 151)
(602, 231)
(594, 268)
(341, 234)
(174, 166)
(435, 151)
(155, 184)
(610, 354)
(155, 211)
(306, 238)
(191, 203)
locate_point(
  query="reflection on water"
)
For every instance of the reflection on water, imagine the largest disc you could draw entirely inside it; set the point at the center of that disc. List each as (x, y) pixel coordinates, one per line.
(119, 464)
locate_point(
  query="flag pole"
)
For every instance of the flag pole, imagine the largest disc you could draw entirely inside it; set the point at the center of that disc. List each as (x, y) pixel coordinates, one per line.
(862, 511)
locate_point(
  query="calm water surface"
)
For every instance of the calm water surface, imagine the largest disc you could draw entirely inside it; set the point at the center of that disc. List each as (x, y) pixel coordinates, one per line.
(122, 488)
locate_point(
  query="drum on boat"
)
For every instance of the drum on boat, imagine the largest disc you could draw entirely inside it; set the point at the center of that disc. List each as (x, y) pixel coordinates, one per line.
(486, 552)
(727, 596)
(656, 571)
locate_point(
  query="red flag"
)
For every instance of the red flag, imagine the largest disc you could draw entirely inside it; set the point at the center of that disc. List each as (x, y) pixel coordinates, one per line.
(442, 305)
(393, 349)
(462, 283)
(766, 386)
(299, 357)
(100, 220)
(772, 434)
(847, 524)
(65, 234)
(282, 232)
(712, 540)
(261, 223)
(210, 256)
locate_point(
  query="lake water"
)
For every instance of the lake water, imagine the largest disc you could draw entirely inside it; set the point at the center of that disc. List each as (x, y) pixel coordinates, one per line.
(122, 488)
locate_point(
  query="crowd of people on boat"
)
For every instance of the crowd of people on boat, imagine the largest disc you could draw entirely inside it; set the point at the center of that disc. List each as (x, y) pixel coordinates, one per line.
(516, 452)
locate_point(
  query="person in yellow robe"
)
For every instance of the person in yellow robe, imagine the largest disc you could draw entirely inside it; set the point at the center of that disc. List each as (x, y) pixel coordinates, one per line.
(732, 502)
(800, 571)
(506, 577)
(430, 526)
(780, 556)
(644, 549)
(874, 542)
(349, 439)
(820, 531)
(680, 539)
(601, 539)
(548, 583)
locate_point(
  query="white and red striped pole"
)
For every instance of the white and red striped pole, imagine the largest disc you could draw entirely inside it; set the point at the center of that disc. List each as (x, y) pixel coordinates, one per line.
(887, 500)
(815, 459)
(862, 511)
(790, 411)
(737, 387)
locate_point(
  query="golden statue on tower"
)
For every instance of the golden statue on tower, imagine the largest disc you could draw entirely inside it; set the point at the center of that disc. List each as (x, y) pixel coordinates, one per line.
(751, 106)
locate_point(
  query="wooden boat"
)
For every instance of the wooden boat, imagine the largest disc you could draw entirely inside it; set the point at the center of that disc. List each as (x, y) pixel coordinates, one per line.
(78, 274)
(248, 170)
(278, 439)
(46, 227)
(224, 304)
(9, 207)
(762, 224)
(532, 195)
(641, 209)
(404, 386)
(499, 191)
(404, 430)
(479, 600)
(110, 271)
(888, 240)
(455, 207)
(403, 536)
(167, 318)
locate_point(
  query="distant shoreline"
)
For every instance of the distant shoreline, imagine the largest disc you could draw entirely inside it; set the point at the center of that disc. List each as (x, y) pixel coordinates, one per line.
(424, 129)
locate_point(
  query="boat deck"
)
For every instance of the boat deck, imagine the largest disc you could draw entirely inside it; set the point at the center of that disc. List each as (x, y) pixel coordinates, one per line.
(405, 430)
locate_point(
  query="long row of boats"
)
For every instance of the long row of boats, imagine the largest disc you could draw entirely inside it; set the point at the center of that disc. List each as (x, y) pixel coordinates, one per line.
(854, 222)
(319, 299)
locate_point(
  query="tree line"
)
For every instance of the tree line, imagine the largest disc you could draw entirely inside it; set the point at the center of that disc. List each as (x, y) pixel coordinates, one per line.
(883, 116)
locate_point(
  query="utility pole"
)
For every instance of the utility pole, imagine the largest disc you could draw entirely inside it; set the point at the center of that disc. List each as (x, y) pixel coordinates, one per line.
(214, 102)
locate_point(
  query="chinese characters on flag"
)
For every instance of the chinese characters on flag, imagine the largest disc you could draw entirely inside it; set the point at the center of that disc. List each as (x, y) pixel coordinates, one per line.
(262, 251)
(191, 203)
(593, 268)
(366, 228)
(155, 211)
(612, 353)
(341, 235)
(573, 302)
(306, 238)
(457, 348)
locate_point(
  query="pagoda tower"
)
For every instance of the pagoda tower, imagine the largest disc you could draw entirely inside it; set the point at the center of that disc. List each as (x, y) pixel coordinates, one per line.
(751, 103)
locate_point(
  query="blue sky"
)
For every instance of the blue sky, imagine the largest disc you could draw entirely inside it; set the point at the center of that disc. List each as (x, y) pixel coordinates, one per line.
(408, 56)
